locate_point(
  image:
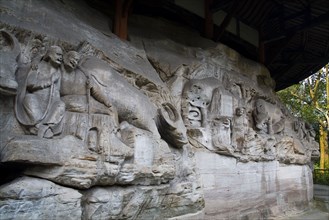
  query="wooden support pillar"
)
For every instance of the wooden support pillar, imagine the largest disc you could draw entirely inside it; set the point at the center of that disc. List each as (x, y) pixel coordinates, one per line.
(120, 27)
(117, 17)
(209, 24)
(261, 47)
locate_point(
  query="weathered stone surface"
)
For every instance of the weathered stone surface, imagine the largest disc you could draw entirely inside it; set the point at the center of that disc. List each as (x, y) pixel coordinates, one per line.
(270, 188)
(162, 126)
(31, 198)
(33, 150)
(11, 49)
(139, 202)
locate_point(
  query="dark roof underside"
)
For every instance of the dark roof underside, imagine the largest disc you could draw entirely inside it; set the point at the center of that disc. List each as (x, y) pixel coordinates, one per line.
(294, 33)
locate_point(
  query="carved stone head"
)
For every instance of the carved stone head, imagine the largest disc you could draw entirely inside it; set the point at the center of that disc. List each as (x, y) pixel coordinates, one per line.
(240, 111)
(54, 55)
(71, 60)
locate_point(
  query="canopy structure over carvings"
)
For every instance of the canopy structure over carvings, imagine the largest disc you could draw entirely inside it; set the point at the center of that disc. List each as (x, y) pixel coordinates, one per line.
(291, 38)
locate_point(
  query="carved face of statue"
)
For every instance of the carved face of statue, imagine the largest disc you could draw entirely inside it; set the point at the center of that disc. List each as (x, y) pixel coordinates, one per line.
(71, 60)
(55, 55)
(240, 111)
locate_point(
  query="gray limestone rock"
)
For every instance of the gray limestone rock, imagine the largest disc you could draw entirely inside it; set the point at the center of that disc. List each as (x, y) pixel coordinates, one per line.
(31, 198)
(161, 126)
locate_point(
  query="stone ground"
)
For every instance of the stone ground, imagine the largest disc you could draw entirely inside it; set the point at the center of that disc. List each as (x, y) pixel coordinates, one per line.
(320, 208)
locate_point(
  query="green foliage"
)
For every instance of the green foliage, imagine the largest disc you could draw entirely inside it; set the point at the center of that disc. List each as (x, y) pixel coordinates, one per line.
(297, 106)
(301, 104)
(321, 176)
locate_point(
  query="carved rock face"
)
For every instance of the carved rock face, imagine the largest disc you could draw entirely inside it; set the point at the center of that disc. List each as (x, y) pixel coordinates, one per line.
(268, 117)
(118, 142)
(10, 50)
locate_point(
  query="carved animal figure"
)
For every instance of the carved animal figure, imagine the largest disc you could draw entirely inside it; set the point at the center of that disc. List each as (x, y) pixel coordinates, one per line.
(10, 50)
(110, 88)
(196, 98)
(171, 126)
(268, 117)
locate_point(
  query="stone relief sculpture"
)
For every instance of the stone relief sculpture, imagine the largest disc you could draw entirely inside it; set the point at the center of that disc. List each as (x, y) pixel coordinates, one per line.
(8, 62)
(38, 104)
(83, 125)
(268, 117)
(240, 128)
(233, 119)
(196, 97)
(81, 101)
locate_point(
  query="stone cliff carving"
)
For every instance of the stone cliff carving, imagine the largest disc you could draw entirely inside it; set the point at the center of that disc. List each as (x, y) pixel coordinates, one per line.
(196, 97)
(268, 117)
(38, 103)
(84, 104)
(240, 128)
(10, 50)
(235, 122)
(123, 145)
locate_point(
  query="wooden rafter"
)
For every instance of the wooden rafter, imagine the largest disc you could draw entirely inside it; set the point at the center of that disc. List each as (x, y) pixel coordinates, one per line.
(218, 5)
(227, 20)
(306, 25)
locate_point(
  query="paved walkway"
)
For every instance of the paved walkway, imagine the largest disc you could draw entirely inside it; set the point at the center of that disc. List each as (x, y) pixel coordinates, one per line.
(321, 192)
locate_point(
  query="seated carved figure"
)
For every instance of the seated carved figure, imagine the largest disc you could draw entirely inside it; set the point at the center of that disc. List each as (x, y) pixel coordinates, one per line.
(268, 117)
(38, 104)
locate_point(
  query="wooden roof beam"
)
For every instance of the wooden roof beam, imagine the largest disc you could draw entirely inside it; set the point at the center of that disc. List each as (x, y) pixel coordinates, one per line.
(304, 61)
(227, 20)
(302, 27)
(218, 5)
(291, 16)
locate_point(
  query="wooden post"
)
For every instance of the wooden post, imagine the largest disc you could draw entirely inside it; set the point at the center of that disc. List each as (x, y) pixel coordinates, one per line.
(209, 24)
(117, 17)
(120, 27)
(261, 47)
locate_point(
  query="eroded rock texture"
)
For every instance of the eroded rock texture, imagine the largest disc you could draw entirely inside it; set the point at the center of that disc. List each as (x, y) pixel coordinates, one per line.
(97, 128)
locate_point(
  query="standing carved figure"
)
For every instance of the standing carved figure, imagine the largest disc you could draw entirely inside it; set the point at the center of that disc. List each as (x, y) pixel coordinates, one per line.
(38, 104)
(240, 128)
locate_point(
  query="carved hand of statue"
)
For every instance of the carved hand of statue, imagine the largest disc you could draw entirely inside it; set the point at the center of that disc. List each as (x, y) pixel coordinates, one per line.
(55, 76)
(34, 67)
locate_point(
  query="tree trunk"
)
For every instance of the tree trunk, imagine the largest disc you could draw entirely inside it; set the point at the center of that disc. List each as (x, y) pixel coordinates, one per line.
(323, 146)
